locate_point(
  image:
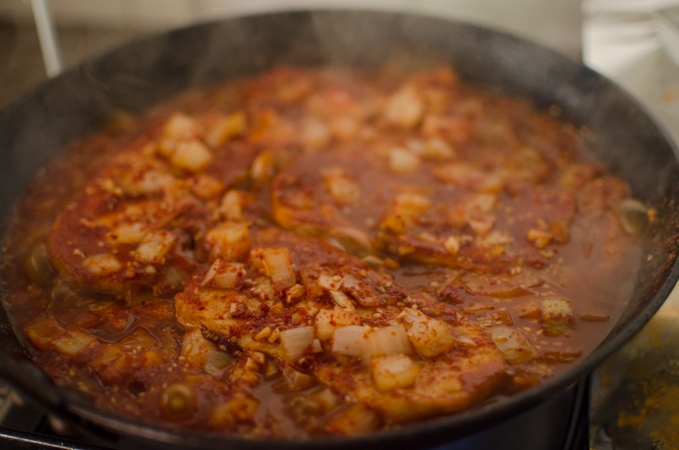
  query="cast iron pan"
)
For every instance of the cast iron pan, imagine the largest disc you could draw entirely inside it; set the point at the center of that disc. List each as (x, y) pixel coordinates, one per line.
(144, 73)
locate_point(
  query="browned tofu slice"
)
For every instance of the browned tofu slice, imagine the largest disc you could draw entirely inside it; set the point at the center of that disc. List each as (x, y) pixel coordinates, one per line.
(397, 352)
(134, 224)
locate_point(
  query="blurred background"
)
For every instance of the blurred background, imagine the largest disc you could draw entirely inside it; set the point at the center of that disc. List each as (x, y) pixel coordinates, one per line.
(88, 27)
(630, 41)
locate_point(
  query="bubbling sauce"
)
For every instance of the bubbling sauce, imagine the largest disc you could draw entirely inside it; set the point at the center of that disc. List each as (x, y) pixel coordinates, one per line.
(319, 251)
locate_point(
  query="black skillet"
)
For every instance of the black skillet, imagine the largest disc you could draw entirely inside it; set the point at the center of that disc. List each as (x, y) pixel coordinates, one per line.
(143, 73)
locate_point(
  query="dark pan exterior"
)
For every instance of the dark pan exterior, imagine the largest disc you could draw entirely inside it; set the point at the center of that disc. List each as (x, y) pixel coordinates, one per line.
(144, 73)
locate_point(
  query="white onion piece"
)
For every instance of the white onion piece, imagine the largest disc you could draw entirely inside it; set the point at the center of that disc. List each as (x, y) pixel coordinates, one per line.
(328, 282)
(437, 148)
(351, 240)
(341, 300)
(393, 371)
(429, 336)
(403, 161)
(155, 247)
(557, 316)
(229, 241)
(225, 275)
(634, 216)
(203, 354)
(128, 233)
(295, 341)
(514, 345)
(231, 205)
(404, 107)
(327, 320)
(389, 340)
(349, 340)
(72, 342)
(342, 188)
(278, 266)
(102, 264)
(404, 212)
(191, 155)
(181, 126)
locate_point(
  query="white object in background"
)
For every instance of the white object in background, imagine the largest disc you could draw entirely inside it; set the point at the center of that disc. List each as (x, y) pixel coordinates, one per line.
(49, 45)
(591, 7)
(622, 41)
(667, 24)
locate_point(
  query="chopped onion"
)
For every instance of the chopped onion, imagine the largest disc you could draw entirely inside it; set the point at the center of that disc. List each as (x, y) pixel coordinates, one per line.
(342, 188)
(313, 133)
(231, 206)
(42, 333)
(351, 240)
(229, 241)
(429, 336)
(349, 340)
(149, 183)
(225, 128)
(389, 340)
(181, 126)
(469, 177)
(557, 316)
(155, 247)
(393, 371)
(327, 320)
(72, 342)
(539, 238)
(514, 345)
(295, 341)
(128, 233)
(344, 127)
(437, 148)
(452, 245)
(373, 262)
(230, 275)
(404, 212)
(203, 354)
(341, 300)
(191, 155)
(634, 216)
(496, 238)
(405, 107)
(481, 223)
(263, 167)
(102, 264)
(297, 380)
(403, 161)
(329, 282)
(278, 266)
(216, 266)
